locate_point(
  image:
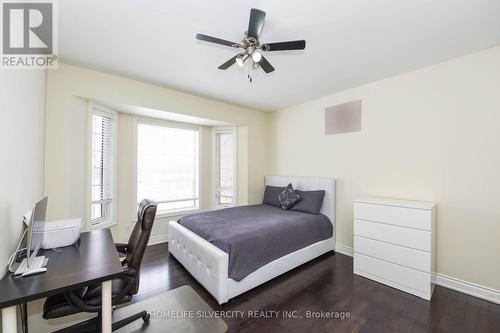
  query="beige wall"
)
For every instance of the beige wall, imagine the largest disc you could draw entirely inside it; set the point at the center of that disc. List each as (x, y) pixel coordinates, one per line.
(69, 88)
(22, 101)
(431, 134)
(22, 107)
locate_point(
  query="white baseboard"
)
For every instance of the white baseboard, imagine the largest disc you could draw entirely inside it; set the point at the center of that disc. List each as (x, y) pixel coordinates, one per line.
(468, 288)
(153, 240)
(465, 287)
(347, 250)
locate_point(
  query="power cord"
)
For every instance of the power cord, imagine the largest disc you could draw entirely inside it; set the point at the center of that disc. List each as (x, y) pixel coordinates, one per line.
(15, 255)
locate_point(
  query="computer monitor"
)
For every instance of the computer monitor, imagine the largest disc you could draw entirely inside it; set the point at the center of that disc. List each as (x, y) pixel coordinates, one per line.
(37, 216)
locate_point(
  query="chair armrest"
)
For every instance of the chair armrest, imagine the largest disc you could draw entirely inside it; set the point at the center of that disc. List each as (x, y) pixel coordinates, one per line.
(129, 276)
(121, 247)
(75, 298)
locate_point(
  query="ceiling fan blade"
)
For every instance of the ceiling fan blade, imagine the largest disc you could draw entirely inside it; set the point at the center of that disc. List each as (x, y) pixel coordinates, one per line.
(265, 65)
(228, 63)
(285, 46)
(256, 23)
(217, 40)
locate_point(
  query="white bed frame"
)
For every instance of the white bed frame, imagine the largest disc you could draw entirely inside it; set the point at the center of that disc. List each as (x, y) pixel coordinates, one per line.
(209, 265)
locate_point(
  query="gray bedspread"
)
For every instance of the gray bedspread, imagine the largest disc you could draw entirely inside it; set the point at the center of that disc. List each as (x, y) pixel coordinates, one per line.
(253, 236)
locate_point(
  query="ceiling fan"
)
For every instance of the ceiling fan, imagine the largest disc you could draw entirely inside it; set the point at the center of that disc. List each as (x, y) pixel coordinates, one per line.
(251, 45)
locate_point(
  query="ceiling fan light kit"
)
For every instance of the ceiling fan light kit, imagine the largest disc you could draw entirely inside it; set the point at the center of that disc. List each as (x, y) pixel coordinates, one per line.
(256, 56)
(241, 58)
(251, 45)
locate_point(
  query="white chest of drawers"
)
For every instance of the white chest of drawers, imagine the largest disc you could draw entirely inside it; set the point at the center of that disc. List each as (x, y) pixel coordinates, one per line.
(395, 243)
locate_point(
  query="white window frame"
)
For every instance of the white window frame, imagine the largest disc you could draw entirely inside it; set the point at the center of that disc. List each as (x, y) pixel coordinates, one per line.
(215, 185)
(171, 124)
(111, 218)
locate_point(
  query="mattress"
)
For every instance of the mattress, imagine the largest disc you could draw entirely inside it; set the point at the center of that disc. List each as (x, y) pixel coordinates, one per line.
(253, 236)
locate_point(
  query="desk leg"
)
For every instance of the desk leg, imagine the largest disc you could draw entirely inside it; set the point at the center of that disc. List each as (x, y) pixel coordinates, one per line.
(9, 319)
(24, 317)
(106, 307)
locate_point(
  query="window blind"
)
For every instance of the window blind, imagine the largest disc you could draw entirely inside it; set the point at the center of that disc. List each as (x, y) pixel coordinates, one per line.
(167, 166)
(225, 148)
(102, 166)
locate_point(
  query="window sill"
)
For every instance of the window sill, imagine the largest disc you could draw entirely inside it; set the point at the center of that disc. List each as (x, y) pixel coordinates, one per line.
(224, 207)
(102, 225)
(178, 213)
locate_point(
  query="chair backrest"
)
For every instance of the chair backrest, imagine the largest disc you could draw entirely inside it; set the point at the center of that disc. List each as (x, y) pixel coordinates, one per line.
(140, 237)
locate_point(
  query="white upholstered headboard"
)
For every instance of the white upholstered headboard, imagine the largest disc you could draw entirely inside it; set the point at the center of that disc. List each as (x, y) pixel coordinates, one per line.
(310, 184)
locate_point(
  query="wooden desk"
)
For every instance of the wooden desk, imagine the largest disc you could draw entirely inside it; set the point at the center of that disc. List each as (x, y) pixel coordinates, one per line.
(93, 259)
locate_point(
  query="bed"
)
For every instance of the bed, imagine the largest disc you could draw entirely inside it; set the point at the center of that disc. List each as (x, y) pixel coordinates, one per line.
(209, 262)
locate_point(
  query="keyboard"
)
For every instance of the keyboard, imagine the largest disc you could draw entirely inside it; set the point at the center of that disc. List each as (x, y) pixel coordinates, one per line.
(35, 263)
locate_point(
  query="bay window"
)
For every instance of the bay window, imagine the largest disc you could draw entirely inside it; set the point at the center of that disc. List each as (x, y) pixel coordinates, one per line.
(168, 165)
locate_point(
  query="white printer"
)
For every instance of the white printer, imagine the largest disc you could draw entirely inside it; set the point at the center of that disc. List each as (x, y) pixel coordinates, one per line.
(58, 233)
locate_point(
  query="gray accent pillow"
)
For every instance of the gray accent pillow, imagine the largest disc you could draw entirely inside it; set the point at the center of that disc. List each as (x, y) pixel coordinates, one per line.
(287, 198)
(271, 195)
(311, 201)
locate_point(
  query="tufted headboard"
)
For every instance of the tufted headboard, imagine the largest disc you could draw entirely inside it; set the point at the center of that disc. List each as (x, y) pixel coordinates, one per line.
(310, 184)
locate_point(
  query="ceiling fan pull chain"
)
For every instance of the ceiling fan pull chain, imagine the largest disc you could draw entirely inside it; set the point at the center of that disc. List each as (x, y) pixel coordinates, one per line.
(248, 74)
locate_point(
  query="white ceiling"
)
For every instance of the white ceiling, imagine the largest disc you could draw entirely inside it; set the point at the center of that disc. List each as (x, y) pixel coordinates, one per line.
(349, 42)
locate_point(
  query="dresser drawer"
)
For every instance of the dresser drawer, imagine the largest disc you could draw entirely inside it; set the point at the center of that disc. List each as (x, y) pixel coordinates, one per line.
(401, 216)
(416, 239)
(384, 272)
(395, 254)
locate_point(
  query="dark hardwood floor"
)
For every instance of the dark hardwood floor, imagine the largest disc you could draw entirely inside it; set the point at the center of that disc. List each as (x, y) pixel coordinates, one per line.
(328, 284)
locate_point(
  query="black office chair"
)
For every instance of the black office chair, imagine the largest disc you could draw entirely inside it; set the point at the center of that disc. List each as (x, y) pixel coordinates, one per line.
(88, 299)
